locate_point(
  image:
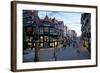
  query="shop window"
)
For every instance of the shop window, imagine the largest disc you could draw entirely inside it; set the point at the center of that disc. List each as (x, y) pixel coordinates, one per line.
(41, 44)
(30, 44)
(41, 38)
(51, 44)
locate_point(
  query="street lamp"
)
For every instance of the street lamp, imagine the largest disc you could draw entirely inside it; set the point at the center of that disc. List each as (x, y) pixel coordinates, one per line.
(36, 35)
(54, 49)
(36, 57)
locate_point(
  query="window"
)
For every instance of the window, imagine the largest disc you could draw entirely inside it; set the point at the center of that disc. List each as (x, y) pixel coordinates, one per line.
(51, 44)
(51, 31)
(41, 30)
(41, 44)
(46, 29)
(41, 38)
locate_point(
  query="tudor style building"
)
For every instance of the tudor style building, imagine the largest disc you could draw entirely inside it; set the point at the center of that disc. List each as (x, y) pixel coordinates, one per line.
(49, 32)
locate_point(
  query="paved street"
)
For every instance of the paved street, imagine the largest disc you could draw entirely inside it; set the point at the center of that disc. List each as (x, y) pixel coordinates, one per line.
(68, 53)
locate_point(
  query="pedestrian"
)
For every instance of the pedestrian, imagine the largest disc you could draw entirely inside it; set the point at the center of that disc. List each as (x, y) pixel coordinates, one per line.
(74, 42)
(68, 42)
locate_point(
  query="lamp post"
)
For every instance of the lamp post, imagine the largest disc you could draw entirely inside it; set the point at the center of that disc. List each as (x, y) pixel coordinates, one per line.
(36, 38)
(54, 50)
(36, 57)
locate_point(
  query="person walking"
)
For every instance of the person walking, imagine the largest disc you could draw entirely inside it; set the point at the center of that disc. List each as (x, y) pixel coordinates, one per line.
(74, 42)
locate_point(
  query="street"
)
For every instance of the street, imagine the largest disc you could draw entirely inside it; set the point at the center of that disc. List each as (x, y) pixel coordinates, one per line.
(67, 53)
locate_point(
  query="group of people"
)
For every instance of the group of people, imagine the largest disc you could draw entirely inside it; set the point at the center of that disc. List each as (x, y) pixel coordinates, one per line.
(83, 42)
(71, 42)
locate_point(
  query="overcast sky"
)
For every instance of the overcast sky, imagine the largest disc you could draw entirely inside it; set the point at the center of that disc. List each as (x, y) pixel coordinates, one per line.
(71, 19)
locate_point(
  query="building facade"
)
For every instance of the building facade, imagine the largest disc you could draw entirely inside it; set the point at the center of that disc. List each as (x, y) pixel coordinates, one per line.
(49, 32)
(86, 28)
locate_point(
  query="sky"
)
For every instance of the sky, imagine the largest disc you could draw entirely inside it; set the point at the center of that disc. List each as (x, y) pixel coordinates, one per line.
(71, 19)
